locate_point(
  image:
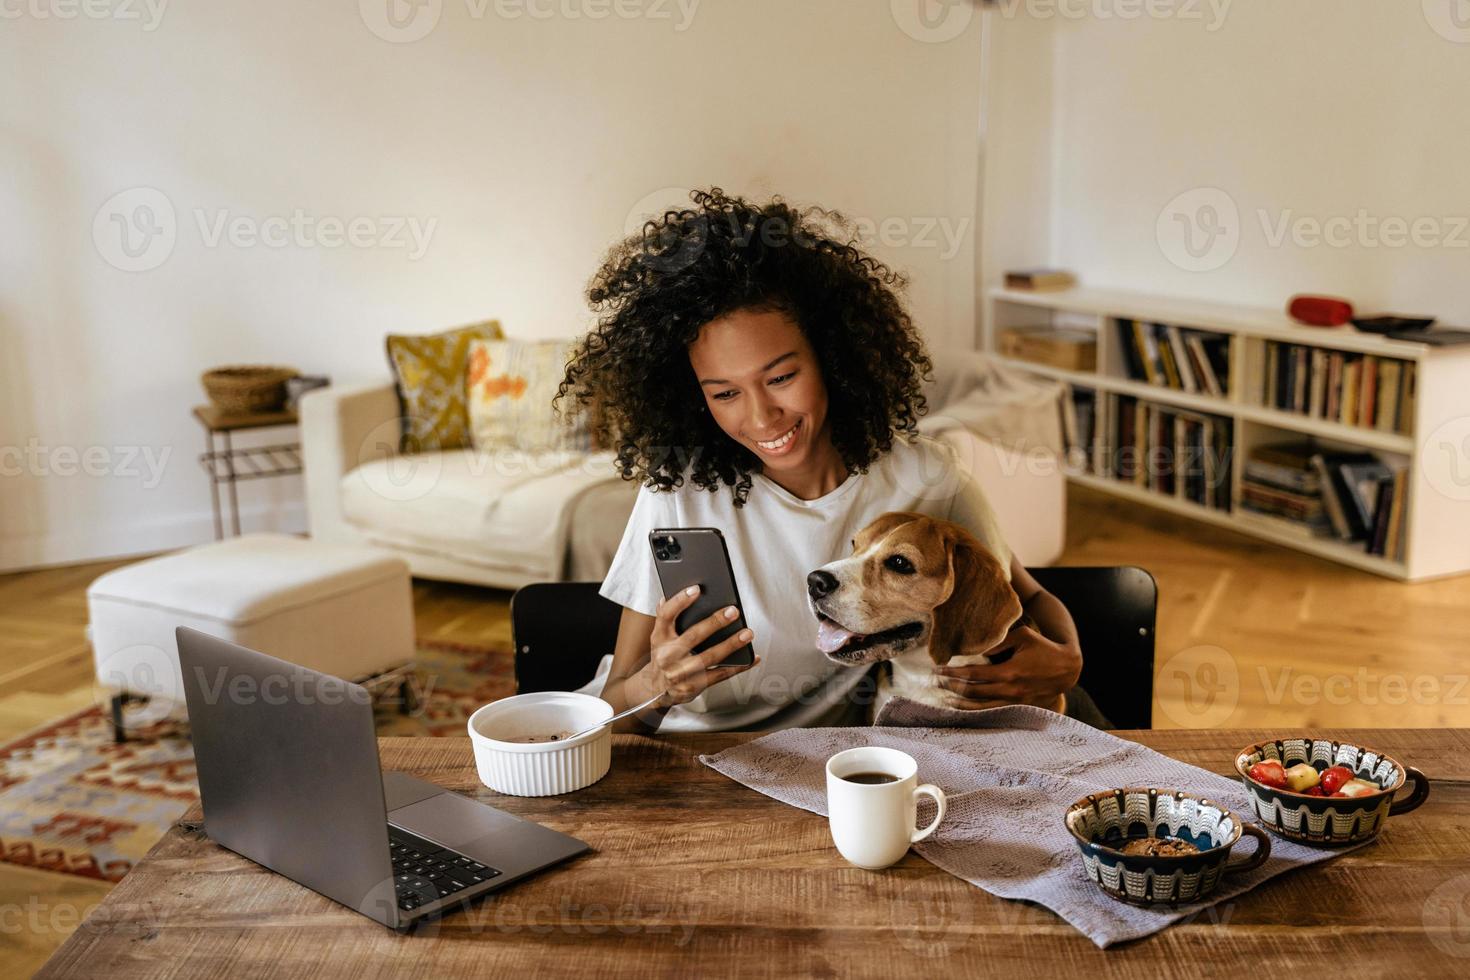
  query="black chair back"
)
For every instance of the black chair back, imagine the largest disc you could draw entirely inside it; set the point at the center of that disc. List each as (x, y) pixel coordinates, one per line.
(1115, 611)
(562, 630)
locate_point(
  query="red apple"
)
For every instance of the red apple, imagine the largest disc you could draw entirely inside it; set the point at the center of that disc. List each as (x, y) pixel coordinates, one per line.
(1315, 791)
(1332, 779)
(1268, 772)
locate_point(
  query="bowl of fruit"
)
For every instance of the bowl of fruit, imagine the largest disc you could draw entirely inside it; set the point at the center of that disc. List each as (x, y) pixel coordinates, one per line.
(1325, 793)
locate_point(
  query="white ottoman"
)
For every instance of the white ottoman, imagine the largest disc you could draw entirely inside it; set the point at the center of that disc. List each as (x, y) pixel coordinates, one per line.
(342, 610)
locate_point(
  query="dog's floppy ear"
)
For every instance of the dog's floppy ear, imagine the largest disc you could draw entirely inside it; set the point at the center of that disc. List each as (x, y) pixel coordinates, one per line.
(981, 606)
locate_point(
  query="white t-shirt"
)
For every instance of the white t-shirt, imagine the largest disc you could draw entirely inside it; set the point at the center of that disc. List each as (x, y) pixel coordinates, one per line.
(775, 540)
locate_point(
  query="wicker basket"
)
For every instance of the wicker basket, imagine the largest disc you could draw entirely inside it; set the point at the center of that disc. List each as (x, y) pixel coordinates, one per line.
(244, 389)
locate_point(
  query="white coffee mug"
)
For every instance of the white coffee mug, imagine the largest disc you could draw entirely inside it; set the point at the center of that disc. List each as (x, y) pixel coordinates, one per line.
(873, 824)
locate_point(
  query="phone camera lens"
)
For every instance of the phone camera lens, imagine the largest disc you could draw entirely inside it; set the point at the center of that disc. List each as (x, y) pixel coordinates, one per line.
(663, 554)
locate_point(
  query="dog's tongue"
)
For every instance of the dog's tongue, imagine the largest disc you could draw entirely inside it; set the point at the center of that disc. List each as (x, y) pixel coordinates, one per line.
(831, 637)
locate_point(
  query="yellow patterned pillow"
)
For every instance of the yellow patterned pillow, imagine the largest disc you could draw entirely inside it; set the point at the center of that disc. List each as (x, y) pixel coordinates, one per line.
(430, 370)
(511, 384)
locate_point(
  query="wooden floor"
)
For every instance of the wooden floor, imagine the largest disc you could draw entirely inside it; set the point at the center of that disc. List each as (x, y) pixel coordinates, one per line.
(1250, 635)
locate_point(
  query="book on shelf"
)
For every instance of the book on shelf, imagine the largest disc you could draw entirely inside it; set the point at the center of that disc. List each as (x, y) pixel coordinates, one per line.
(1040, 279)
(1353, 497)
(1368, 397)
(1395, 544)
(1199, 359)
(1170, 356)
(1317, 399)
(1279, 481)
(1288, 466)
(1389, 373)
(1164, 450)
(1078, 413)
(1360, 390)
(1180, 358)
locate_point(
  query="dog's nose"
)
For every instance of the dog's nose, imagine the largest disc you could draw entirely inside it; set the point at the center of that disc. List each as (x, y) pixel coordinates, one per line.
(820, 583)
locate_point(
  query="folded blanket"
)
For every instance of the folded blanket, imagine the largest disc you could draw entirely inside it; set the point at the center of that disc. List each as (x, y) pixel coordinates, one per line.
(974, 391)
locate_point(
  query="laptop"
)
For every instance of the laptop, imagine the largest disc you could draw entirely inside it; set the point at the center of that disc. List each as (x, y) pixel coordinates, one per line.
(289, 777)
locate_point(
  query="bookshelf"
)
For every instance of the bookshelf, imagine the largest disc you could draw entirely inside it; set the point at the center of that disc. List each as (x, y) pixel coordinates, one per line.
(1423, 432)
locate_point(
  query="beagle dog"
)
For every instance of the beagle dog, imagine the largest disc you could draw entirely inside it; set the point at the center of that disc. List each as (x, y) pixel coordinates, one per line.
(917, 592)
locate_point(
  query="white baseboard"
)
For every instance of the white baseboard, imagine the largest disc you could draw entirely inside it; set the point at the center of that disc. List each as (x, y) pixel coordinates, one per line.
(120, 539)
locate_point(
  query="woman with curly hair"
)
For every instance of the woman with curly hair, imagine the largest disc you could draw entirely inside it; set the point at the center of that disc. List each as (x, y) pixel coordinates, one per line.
(757, 373)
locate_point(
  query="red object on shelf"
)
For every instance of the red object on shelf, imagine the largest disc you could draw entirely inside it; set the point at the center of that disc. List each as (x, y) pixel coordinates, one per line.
(1320, 311)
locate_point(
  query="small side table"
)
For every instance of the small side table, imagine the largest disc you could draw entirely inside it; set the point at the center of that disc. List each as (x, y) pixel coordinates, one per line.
(230, 465)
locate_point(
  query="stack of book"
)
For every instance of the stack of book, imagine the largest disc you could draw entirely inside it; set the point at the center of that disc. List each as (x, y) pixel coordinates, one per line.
(1281, 482)
(1187, 360)
(1355, 497)
(1339, 386)
(1165, 450)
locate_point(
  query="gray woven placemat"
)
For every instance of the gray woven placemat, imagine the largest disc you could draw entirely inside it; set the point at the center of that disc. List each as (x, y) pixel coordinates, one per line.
(1009, 774)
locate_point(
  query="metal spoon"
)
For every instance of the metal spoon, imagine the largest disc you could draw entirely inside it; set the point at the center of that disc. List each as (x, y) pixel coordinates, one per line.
(620, 715)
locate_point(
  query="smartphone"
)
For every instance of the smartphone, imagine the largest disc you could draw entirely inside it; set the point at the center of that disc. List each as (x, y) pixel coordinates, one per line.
(686, 556)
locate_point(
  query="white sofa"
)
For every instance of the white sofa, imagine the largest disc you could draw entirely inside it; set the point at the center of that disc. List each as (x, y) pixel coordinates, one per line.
(509, 519)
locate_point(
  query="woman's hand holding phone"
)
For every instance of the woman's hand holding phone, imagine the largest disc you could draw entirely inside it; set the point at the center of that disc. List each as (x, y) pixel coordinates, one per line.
(673, 667)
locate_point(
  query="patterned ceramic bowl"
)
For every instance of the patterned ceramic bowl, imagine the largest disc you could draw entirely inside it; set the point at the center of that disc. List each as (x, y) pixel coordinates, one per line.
(1104, 823)
(1323, 821)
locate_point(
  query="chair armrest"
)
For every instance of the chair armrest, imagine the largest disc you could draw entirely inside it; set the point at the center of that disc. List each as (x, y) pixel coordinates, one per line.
(342, 427)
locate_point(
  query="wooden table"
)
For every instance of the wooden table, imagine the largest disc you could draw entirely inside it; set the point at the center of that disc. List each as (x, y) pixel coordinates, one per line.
(696, 875)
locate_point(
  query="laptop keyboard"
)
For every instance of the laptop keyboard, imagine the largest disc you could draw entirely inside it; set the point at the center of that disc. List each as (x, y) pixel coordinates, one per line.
(424, 872)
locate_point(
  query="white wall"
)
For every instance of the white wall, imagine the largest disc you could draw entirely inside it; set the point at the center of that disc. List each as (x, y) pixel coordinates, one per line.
(524, 141)
(1306, 110)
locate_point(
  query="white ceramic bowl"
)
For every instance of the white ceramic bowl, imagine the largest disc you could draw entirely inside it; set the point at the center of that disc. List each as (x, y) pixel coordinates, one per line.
(541, 768)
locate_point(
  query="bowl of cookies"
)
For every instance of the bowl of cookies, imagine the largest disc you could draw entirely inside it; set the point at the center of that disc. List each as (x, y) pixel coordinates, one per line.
(1324, 793)
(1149, 846)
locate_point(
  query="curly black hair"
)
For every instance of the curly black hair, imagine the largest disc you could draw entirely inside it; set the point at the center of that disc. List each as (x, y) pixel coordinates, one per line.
(657, 288)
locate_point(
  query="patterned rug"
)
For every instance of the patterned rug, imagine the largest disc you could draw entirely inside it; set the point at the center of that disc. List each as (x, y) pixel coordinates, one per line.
(74, 801)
